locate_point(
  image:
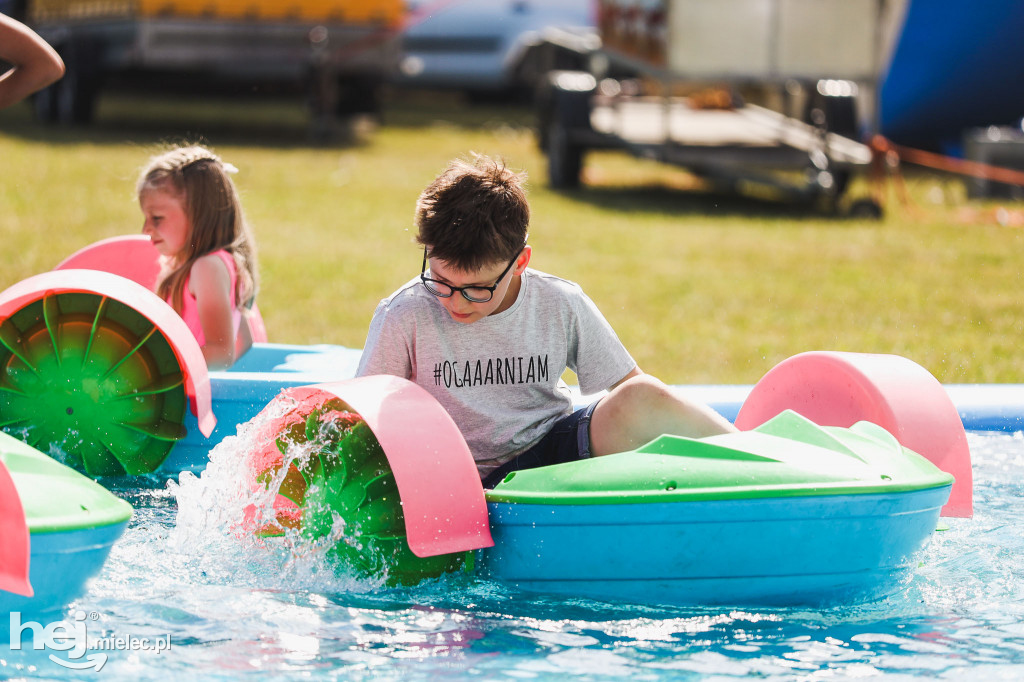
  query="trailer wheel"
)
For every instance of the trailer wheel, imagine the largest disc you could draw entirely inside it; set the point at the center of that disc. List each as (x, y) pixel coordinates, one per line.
(865, 209)
(358, 96)
(74, 98)
(565, 159)
(564, 109)
(832, 107)
(44, 105)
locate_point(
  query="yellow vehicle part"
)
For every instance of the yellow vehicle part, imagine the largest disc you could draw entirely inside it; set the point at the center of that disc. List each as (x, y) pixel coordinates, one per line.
(334, 11)
(385, 12)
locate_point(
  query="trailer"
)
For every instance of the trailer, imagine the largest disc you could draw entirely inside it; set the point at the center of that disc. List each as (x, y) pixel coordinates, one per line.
(769, 97)
(337, 53)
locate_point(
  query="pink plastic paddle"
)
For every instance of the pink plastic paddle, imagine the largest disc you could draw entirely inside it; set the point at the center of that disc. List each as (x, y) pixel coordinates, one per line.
(14, 538)
(442, 497)
(839, 389)
(140, 299)
(134, 256)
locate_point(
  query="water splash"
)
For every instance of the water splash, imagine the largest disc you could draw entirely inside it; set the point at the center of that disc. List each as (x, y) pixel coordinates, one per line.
(221, 513)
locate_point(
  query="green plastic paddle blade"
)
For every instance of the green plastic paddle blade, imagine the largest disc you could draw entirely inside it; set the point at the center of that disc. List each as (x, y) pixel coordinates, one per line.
(348, 480)
(91, 381)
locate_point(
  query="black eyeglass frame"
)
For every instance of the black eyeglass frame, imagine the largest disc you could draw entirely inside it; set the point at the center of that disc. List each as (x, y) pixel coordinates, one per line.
(462, 290)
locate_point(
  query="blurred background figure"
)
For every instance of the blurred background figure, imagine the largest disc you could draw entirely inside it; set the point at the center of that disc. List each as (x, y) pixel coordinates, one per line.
(33, 63)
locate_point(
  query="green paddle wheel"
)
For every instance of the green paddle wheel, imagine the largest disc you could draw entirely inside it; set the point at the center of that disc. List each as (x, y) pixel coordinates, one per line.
(343, 490)
(92, 381)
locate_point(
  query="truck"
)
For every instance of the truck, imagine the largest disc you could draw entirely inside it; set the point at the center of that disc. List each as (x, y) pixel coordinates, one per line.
(337, 53)
(767, 97)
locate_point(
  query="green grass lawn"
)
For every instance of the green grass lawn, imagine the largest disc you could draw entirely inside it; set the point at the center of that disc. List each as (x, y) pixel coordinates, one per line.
(701, 288)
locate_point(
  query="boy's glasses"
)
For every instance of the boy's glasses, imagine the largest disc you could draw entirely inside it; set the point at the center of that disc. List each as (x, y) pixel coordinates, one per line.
(474, 294)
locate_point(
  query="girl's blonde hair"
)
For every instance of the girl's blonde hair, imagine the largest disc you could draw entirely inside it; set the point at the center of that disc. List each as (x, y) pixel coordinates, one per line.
(214, 211)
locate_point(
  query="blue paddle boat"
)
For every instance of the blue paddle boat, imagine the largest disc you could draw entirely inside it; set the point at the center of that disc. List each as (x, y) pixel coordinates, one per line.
(788, 513)
(784, 512)
(57, 528)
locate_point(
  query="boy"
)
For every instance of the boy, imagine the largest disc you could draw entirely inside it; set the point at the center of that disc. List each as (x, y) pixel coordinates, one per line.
(490, 338)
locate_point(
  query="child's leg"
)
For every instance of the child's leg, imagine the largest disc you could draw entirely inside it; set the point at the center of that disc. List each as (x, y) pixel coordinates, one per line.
(643, 408)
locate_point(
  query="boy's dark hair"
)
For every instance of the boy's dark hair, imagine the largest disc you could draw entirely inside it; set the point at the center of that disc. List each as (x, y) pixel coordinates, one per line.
(474, 214)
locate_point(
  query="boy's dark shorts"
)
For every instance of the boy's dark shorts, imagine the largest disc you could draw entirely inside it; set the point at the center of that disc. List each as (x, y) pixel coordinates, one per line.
(567, 441)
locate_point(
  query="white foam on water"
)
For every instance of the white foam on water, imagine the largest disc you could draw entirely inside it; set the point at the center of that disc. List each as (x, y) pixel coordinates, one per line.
(220, 511)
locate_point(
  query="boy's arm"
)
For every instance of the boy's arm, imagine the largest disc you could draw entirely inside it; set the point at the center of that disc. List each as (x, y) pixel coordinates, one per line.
(35, 63)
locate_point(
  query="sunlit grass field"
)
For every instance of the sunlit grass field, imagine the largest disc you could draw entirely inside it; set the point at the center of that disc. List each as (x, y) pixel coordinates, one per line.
(702, 288)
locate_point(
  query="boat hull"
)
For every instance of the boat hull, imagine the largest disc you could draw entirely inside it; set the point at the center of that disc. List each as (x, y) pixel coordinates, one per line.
(61, 565)
(784, 551)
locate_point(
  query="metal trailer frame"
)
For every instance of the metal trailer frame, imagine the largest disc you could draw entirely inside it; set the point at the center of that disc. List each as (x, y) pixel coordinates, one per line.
(807, 155)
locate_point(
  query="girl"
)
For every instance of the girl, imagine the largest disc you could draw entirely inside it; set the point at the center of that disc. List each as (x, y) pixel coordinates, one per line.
(208, 259)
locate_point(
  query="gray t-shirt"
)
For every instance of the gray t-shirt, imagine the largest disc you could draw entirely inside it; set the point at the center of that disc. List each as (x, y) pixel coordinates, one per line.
(499, 377)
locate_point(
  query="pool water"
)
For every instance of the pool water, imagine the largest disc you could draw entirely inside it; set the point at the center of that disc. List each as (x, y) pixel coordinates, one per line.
(235, 608)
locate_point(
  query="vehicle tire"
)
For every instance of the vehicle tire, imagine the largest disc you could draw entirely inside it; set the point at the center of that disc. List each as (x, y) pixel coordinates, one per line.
(565, 159)
(356, 96)
(836, 113)
(563, 113)
(841, 180)
(75, 94)
(44, 105)
(865, 209)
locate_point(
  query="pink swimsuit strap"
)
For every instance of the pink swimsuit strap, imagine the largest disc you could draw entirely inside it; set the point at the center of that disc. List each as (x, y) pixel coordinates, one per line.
(190, 309)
